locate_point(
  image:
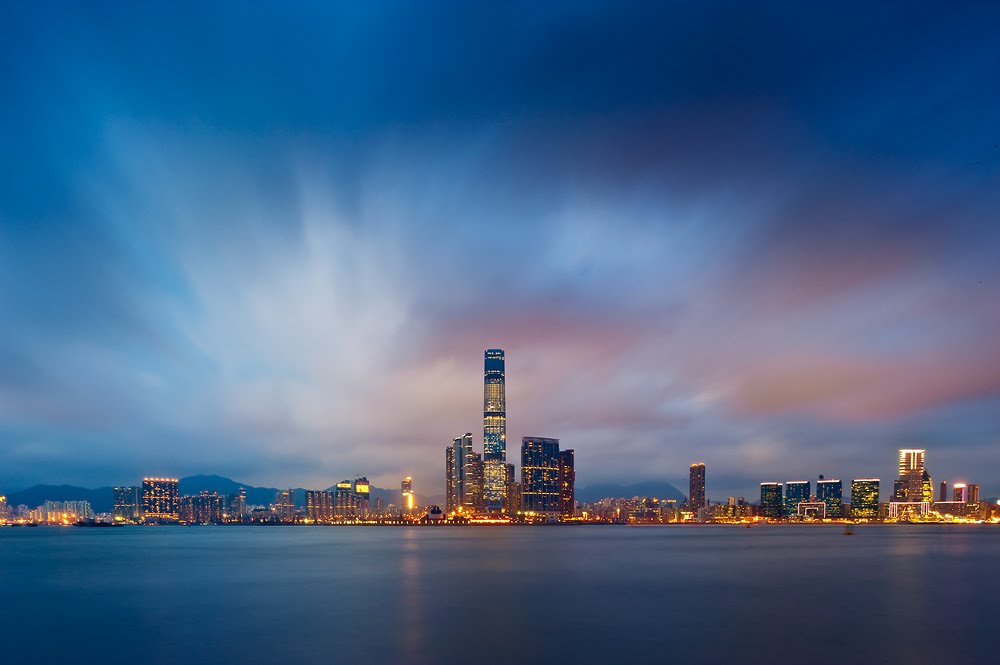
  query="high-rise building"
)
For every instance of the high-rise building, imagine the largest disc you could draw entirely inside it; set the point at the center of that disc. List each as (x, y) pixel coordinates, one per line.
(284, 506)
(343, 500)
(771, 500)
(972, 493)
(943, 493)
(540, 471)
(204, 508)
(796, 491)
(452, 480)
(696, 486)
(159, 499)
(128, 502)
(959, 492)
(474, 485)
(567, 483)
(864, 498)
(406, 495)
(494, 430)
(362, 494)
(465, 458)
(926, 488)
(911, 474)
(831, 492)
(320, 506)
(514, 491)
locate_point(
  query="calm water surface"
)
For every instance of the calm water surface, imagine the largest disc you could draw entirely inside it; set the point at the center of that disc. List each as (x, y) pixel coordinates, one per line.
(713, 594)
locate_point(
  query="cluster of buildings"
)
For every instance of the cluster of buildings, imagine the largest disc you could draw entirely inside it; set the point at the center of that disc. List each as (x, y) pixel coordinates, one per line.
(486, 485)
(50, 512)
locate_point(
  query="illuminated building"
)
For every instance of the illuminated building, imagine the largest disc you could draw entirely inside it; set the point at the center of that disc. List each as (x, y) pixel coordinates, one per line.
(284, 506)
(238, 505)
(898, 490)
(159, 499)
(362, 494)
(513, 491)
(127, 504)
(567, 483)
(540, 471)
(972, 494)
(4, 508)
(926, 488)
(796, 491)
(474, 484)
(452, 480)
(343, 500)
(911, 474)
(204, 508)
(831, 492)
(771, 500)
(696, 486)
(320, 506)
(494, 430)
(864, 498)
(943, 493)
(465, 456)
(406, 494)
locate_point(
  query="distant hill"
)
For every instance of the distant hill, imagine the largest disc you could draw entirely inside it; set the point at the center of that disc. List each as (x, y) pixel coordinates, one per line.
(652, 488)
(101, 499)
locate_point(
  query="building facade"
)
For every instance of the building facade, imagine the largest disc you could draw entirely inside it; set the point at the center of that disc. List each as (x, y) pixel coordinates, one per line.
(912, 465)
(494, 430)
(128, 504)
(696, 486)
(831, 492)
(567, 483)
(864, 498)
(771, 505)
(160, 499)
(796, 492)
(540, 474)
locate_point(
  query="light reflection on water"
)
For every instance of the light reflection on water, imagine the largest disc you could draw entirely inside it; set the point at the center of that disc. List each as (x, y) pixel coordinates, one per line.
(488, 594)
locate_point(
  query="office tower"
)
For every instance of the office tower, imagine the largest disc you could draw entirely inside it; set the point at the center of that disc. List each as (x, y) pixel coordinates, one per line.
(567, 483)
(406, 495)
(343, 500)
(771, 500)
(476, 502)
(972, 493)
(696, 486)
(796, 491)
(959, 492)
(237, 509)
(362, 493)
(540, 475)
(898, 490)
(864, 498)
(911, 474)
(943, 493)
(159, 499)
(926, 488)
(452, 482)
(514, 491)
(284, 506)
(494, 430)
(465, 459)
(127, 503)
(831, 492)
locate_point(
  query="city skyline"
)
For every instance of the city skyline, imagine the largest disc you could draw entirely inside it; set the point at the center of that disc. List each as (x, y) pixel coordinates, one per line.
(695, 239)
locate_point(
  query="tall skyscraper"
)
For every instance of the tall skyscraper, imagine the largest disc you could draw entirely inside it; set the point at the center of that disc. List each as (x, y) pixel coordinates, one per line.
(160, 499)
(494, 430)
(771, 500)
(362, 494)
(796, 491)
(696, 486)
(513, 491)
(406, 495)
(943, 493)
(284, 506)
(567, 483)
(926, 487)
(540, 471)
(831, 492)
(452, 481)
(465, 457)
(474, 485)
(343, 500)
(911, 474)
(864, 498)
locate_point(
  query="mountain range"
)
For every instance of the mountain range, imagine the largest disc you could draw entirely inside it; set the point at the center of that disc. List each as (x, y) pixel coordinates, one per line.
(102, 498)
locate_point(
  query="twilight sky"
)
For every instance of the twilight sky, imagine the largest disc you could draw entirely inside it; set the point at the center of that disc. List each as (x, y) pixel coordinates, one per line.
(273, 241)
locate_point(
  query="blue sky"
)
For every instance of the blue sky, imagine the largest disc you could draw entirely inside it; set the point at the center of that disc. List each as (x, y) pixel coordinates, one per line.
(273, 242)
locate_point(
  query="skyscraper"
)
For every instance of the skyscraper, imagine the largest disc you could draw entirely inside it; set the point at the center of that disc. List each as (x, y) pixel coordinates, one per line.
(127, 504)
(343, 500)
(284, 506)
(494, 430)
(943, 493)
(474, 484)
(770, 500)
(831, 492)
(406, 495)
(362, 493)
(452, 481)
(911, 474)
(926, 487)
(466, 457)
(796, 491)
(513, 491)
(696, 486)
(159, 499)
(864, 498)
(567, 483)
(540, 471)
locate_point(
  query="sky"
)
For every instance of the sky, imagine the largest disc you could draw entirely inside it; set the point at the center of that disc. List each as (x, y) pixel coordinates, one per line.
(272, 241)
